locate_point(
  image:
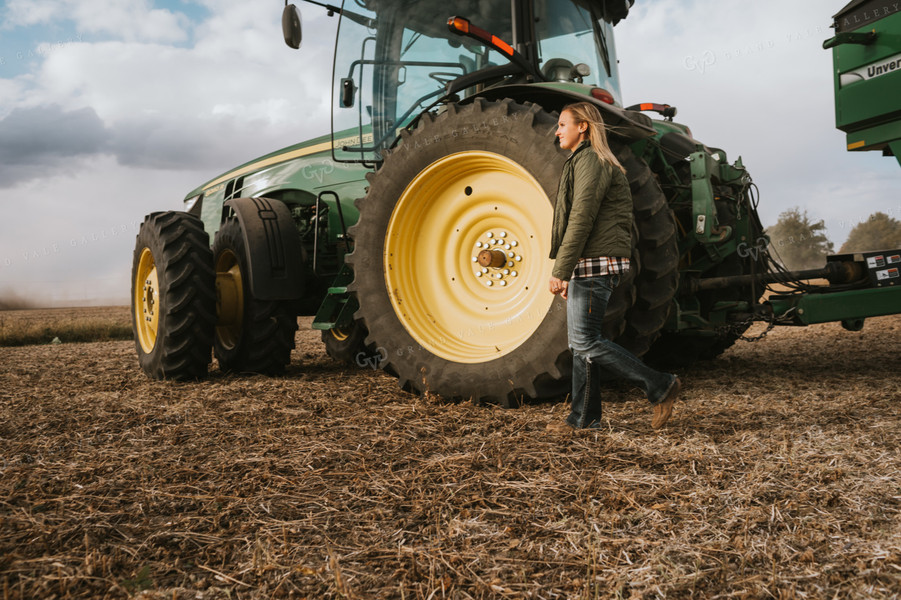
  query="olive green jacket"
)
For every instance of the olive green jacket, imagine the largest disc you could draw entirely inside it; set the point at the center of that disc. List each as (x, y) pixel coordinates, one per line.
(593, 213)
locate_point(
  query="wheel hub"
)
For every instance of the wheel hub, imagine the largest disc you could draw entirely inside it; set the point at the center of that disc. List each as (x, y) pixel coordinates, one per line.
(497, 259)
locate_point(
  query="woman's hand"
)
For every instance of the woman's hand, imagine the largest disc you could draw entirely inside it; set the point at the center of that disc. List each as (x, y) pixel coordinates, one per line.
(558, 286)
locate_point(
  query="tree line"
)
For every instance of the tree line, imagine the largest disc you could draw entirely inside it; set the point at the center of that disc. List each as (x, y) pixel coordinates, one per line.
(799, 242)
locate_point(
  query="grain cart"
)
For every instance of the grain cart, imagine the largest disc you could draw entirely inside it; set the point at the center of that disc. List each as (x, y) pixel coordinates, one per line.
(867, 58)
(416, 232)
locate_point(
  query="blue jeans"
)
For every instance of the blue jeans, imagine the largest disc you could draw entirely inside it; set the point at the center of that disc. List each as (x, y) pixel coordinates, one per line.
(593, 354)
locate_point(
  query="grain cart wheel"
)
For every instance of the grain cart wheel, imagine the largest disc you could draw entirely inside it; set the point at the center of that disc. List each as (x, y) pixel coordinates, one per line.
(252, 335)
(173, 305)
(450, 259)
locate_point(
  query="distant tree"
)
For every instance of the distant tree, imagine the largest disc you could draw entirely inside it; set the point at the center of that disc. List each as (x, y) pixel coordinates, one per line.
(798, 242)
(879, 232)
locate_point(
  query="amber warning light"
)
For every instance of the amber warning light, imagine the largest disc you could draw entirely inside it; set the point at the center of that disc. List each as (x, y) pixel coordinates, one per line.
(664, 109)
(461, 25)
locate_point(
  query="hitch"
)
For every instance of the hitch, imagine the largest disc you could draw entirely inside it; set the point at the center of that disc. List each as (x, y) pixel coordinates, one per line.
(834, 272)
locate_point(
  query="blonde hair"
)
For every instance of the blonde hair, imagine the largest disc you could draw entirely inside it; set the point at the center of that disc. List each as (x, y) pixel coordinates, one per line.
(584, 112)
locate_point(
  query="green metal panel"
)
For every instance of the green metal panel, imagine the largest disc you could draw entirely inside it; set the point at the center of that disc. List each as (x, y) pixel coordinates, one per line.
(838, 306)
(867, 74)
(297, 173)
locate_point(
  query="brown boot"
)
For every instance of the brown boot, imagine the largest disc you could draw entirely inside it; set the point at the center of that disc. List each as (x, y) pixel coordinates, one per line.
(664, 409)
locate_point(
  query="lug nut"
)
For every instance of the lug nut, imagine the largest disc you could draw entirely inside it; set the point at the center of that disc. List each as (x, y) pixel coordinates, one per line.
(478, 244)
(514, 243)
(503, 283)
(489, 235)
(518, 258)
(503, 234)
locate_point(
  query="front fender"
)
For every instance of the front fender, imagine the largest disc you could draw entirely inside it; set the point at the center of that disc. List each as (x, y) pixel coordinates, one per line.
(273, 247)
(628, 125)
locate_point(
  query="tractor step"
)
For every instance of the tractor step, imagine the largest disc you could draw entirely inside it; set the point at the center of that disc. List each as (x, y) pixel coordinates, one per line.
(338, 306)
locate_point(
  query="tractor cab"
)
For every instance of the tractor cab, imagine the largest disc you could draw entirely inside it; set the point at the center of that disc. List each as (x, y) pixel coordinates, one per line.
(395, 59)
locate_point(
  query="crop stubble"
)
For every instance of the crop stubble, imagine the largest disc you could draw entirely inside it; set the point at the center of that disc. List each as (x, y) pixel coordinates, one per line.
(777, 478)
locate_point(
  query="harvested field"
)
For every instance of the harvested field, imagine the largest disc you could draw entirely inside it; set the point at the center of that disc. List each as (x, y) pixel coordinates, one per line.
(42, 326)
(777, 478)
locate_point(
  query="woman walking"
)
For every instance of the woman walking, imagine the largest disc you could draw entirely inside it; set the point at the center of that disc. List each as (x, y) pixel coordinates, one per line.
(591, 241)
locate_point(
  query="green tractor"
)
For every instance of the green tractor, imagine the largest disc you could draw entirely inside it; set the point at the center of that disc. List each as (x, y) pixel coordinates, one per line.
(417, 232)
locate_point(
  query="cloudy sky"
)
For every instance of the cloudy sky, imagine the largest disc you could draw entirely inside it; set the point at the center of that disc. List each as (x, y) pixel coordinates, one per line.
(111, 110)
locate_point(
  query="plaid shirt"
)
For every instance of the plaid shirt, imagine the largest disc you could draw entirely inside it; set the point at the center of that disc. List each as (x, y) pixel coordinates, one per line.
(604, 265)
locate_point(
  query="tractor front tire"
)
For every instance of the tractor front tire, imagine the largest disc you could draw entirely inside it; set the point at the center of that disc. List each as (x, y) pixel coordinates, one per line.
(173, 305)
(252, 335)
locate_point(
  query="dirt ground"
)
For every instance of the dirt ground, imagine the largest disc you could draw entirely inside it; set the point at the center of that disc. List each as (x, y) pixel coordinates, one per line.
(778, 477)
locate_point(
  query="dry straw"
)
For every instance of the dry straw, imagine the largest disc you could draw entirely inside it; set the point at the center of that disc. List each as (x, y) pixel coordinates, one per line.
(778, 478)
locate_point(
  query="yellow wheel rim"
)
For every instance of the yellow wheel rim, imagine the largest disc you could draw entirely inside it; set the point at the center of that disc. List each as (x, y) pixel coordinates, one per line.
(146, 301)
(229, 299)
(460, 209)
(340, 333)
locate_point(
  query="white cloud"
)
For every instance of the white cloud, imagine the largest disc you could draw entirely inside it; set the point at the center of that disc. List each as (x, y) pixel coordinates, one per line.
(75, 240)
(42, 140)
(132, 20)
(169, 117)
(213, 105)
(12, 91)
(754, 80)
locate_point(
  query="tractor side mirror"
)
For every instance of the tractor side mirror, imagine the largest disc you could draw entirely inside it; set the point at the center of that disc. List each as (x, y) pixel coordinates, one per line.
(291, 26)
(617, 10)
(348, 91)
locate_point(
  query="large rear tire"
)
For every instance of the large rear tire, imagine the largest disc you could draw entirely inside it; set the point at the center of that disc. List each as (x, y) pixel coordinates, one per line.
(479, 178)
(655, 260)
(252, 335)
(173, 305)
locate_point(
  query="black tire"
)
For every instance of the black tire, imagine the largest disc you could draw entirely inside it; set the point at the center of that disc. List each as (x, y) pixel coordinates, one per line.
(173, 305)
(501, 131)
(348, 345)
(654, 276)
(252, 335)
(538, 365)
